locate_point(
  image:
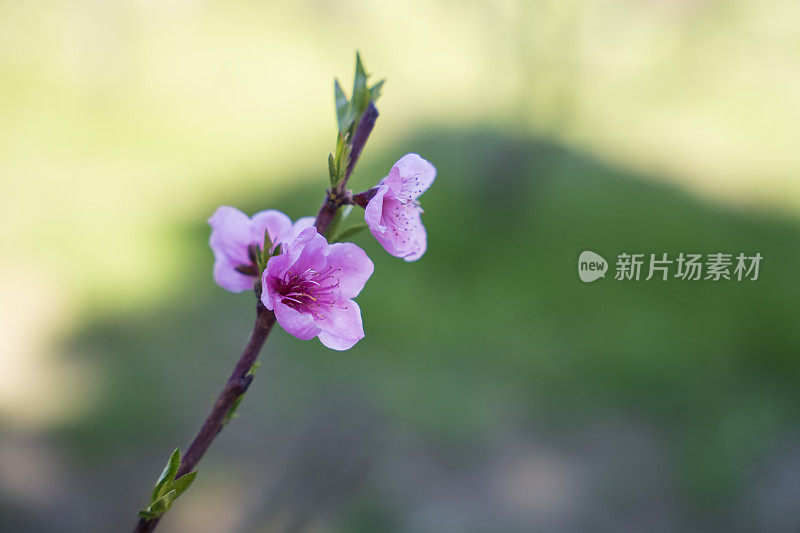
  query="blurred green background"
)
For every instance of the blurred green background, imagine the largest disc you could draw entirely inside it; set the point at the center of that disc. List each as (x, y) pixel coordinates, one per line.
(494, 391)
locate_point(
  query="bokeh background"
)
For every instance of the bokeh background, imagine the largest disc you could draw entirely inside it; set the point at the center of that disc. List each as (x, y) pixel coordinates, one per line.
(494, 391)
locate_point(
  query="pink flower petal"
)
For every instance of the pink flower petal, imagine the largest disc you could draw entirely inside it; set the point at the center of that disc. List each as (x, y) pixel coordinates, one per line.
(298, 227)
(230, 234)
(393, 214)
(313, 248)
(354, 267)
(342, 328)
(374, 209)
(276, 223)
(405, 234)
(310, 284)
(227, 277)
(300, 325)
(411, 176)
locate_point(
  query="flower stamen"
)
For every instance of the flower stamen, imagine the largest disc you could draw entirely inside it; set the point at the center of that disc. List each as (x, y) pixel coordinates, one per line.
(309, 292)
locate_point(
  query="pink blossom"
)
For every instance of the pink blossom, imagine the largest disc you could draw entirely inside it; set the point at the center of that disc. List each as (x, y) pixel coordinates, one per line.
(394, 215)
(310, 286)
(237, 239)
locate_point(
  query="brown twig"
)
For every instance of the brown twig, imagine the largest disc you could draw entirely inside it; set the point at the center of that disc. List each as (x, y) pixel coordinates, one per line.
(365, 126)
(236, 386)
(362, 199)
(240, 378)
(337, 196)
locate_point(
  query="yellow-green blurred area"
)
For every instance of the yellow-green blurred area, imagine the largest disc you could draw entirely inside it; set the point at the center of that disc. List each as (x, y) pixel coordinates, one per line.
(494, 392)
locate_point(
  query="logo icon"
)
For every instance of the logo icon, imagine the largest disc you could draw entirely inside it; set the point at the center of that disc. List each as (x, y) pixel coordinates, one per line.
(591, 266)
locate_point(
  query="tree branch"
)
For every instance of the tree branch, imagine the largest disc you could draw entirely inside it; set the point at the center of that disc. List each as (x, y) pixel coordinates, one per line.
(240, 380)
(337, 196)
(362, 199)
(236, 386)
(363, 132)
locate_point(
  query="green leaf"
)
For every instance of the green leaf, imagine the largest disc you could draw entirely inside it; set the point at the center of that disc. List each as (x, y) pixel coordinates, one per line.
(159, 506)
(342, 151)
(183, 483)
(167, 476)
(231, 414)
(361, 95)
(332, 169)
(255, 366)
(375, 91)
(337, 163)
(162, 505)
(347, 233)
(342, 106)
(341, 215)
(265, 252)
(348, 117)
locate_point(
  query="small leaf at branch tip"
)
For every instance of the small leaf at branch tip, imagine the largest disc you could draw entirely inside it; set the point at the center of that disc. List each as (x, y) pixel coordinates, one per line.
(338, 219)
(348, 117)
(360, 70)
(167, 475)
(183, 483)
(341, 104)
(350, 232)
(375, 91)
(361, 95)
(265, 253)
(253, 368)
(337, 163)
(174, 461)
(332, 169)
(231, 414)
(162, 505)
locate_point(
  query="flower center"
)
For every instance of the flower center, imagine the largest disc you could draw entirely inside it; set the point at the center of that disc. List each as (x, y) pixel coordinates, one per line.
(311, 292)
